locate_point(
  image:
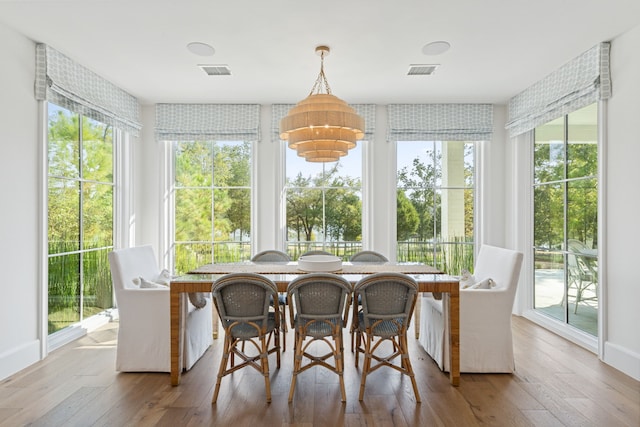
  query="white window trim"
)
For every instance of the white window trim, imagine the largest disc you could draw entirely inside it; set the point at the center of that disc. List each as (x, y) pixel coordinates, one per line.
(43, 330)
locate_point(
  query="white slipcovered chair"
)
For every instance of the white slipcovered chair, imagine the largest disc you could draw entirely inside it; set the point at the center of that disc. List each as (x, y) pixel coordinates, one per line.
(486, 343)
(144, 343)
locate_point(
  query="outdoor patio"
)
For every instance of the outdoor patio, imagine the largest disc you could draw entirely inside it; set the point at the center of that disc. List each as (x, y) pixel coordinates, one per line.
(549, 299)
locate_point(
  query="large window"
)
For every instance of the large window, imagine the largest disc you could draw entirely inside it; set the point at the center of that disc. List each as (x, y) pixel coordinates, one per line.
(435, 204)
(565, 214)
(80, 216)
(212, 203)
(324, 204)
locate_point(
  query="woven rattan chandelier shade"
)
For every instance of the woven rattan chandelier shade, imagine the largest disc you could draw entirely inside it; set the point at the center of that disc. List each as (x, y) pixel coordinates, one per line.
(322, 127)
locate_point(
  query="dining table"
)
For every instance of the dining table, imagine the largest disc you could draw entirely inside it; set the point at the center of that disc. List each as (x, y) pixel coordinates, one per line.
(201, 279)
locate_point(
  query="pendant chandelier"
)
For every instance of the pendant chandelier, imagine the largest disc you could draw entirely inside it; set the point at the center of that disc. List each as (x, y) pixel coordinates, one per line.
(322, 127)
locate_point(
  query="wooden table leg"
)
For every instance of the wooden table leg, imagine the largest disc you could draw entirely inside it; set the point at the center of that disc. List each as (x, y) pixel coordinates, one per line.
(174, 302)
(416, 316)
(214, 321)
(454, 336)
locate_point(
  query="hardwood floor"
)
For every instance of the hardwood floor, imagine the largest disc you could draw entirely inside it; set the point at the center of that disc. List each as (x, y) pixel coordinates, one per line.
(556, 384)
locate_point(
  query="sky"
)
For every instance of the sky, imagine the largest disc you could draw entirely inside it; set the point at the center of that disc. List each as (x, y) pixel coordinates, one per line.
(351, 164)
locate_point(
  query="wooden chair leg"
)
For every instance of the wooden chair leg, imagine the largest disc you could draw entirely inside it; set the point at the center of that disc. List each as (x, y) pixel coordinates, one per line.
(223, 365)
(407, 365)
(354, 334)
(284, 330)
(297, 362)
(338, 356)
(353, 338)
(366, 366)
(264, 362)
(358, 344)
(277, 337)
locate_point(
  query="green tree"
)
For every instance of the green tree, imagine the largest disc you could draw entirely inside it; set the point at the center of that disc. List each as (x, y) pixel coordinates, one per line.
(419, 184)
(194, 164)
(239, 212)
(213, 174)
(343, 213)
(326, 203)
(548, 195)
(408, 219)
(582, 193)
(97, 170)
(304, 208)
(65, 157)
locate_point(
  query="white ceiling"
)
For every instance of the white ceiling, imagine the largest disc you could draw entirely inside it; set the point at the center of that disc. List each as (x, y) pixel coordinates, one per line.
(498, 47)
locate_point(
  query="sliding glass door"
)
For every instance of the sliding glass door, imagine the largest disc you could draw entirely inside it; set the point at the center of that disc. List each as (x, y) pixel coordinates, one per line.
(565, 205)
(80, 202)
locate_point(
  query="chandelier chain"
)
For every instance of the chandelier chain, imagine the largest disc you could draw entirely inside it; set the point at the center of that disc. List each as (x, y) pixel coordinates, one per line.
(321, 80)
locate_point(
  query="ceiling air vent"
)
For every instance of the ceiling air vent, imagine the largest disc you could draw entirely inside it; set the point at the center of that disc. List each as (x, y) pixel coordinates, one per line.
(422, 69)
(216, 70)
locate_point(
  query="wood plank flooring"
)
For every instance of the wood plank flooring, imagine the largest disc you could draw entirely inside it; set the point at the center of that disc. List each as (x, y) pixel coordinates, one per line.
(556, 384)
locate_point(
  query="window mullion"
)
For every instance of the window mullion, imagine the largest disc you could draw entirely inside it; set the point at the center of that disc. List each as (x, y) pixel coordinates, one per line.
(81, 216)
(213, 200)
(565, 230)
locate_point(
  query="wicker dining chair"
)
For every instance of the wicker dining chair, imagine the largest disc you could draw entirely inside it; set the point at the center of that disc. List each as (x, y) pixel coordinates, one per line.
(242, 300)
(274, 255)
(368, 256)
(271, 255)
(318, 310)
(363, 256)
(388, 300)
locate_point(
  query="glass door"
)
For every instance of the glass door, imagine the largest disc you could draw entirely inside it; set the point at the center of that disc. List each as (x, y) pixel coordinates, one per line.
(565, 193)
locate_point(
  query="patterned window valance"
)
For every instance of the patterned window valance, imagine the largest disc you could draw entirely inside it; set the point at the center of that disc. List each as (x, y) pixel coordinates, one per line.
(367, 111)
(578, 83)
(440, 122)
(189, 122)
(70, 85)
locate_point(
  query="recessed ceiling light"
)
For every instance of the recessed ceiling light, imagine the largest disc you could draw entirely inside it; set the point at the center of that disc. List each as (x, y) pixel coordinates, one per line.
(200, 49)
(436, 48)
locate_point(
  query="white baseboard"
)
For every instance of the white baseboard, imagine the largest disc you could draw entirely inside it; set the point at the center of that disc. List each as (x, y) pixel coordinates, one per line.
(16, 359)
(622, 359)
(614, 355)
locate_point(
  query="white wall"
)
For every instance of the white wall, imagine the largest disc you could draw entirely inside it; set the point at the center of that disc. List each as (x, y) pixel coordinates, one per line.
(268, 179)
(492, 177)
(19, 218)
(622, 228)
(147, 182)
